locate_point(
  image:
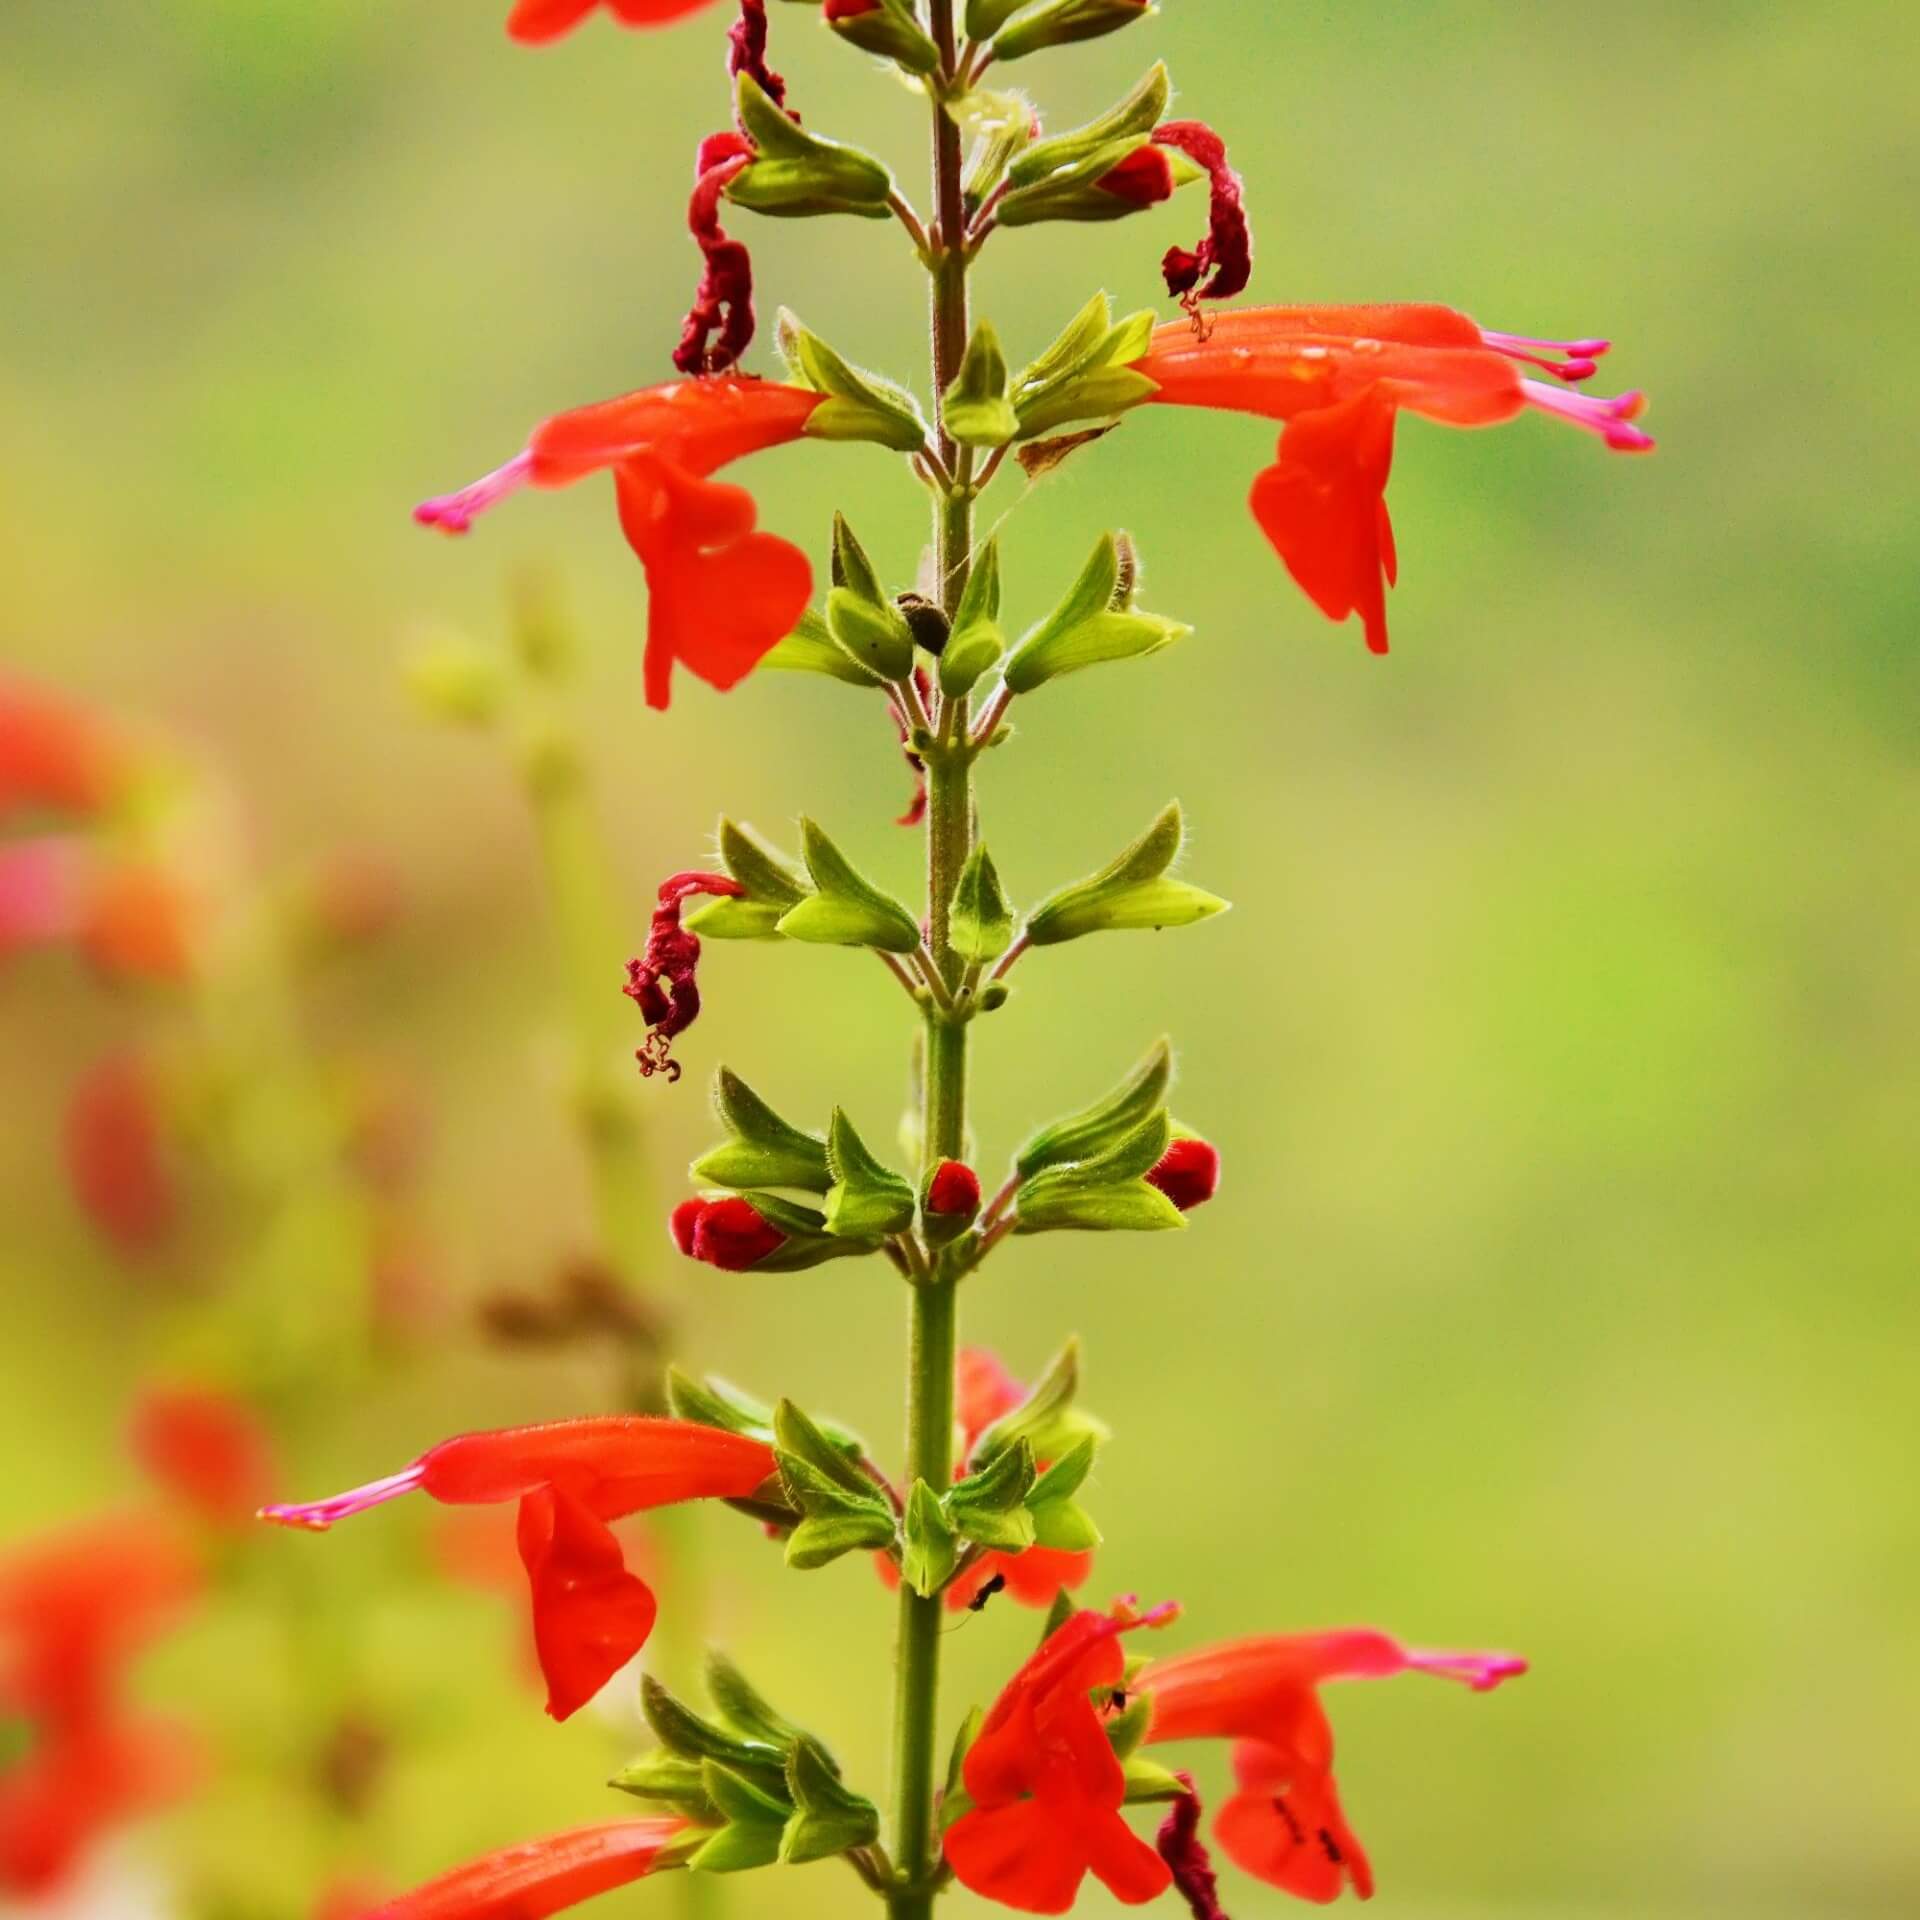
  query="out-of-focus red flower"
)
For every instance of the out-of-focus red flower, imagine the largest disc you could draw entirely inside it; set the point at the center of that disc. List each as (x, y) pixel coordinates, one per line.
(722, 593)
(983, 1391)
(351, 1898)
(54, 754)
(539, 1877)
(1045, 1783)
(1188, 1173)
(136, 922)
(115, 1153)
(212, 1452)
(534, 22)
(74, 1612)
(42, 889)
(1338, 377)
(591, 1613)
(1284, 1825)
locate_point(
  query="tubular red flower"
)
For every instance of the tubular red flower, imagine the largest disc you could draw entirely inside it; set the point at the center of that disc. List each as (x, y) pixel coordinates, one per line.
(1285, 1825)
(722, 593)
(1188, 1173)
(661, 982)
(208, 1449)
(1045, 1783)
(534, 22)
(539, 1877)
(1338, 377)
(590, 1613)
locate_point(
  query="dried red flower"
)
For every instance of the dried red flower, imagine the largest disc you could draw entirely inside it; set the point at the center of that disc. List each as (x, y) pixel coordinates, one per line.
(115, 1154)
(1222, 264)
(540, 1877)
(1285, 1826)
(1045, 1783)
(1188, 1173)
(661, 982)
(1338, 377)
(591, 1614)
(722, 593)
(1178, 1843)
(210, 1450)
(723, 301)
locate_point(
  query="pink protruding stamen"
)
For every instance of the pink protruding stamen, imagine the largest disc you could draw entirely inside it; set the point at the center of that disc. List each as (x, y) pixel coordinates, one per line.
(318, 1515)
(456, 512)
(1610, 419)
(1480, 1671)
(1564, 359)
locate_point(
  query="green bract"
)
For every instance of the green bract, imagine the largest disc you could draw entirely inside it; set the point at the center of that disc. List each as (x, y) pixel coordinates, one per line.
(981, 922)
(773, 885)
(1133, 892)
(1085, 1135)
(763, 1150)
(1061, 22)
(859, 405)
(975, 409)
(1108, 1193)
(1087, 373)
(1095, 623)
(845, 910)
(798, 173)
(893, 30)
(975, 642)
(866, 1198)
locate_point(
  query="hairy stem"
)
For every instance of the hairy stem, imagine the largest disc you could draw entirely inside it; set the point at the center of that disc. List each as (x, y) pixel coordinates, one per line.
(949, 829)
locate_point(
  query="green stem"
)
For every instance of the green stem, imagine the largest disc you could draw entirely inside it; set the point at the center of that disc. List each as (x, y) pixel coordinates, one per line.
(930, 1359)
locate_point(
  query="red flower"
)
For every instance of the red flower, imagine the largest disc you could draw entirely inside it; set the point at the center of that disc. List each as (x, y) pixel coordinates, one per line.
(533, 22)
(1338, 376)
(731, 1233)
(208, 1449)
(42, 892)
(1046, 1785)
(136, 923)
(1188, 1173)
(722, 593)
(1285, 1826)
(54, 754)
(539, 1877)
(74, 1611)
(591, 1614)
(661, 982)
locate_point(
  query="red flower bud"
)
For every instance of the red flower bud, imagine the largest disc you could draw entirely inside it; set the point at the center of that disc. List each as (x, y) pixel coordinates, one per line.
(954, 1189)
(733, 1235)
(1143, 179)
(682, 1222)
(1187, 1173)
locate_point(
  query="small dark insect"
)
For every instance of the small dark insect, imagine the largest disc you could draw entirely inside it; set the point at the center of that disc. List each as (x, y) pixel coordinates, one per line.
(978, 1603)
(1118, 1700)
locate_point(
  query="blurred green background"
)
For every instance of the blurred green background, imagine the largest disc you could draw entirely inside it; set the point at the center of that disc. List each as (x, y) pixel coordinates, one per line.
(1562, 1044)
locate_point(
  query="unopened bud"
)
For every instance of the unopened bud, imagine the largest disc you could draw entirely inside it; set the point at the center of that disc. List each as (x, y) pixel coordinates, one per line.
(682, 1222)
(733, 1235)
(930, 626)
(1188, 1173)
(953, 1192)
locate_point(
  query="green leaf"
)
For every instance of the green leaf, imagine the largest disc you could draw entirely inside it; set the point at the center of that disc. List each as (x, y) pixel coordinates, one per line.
(755, 1822)
(829, 1816)
(1084, 1135)
(822, 1538)
(669, 1780)
(930, 1545)
(981, 922)
(866, 1199)
(975, 407)
(798, 173)
(742, 1707)
(799, 1436)
(859, 405)
(1128, 1729)
(989, 1505)
(764, 1150)
(811, 648)
(1045, 1419)
(1095, 623)
(1147, 1780)
(1065, 1527)
(1130, 893)
(1058, 1615)
(684, 1733)
(846, 910)
(975, 641)
(1066, 1475)
(956, 1800)
(772, 882)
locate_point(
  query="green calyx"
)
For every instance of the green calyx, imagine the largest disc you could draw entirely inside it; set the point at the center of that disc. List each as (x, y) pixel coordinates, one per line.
(891, 29)
(795, 173)
(774, 885)
(859, 405)
(1087, 373)
(872, 630)
(1134, 892)
(975, 642)
(975, 408)
(1096, 623)
(1061, 23)
(866, 1199)
(845, 910)
(762, 1149)
(1105, 1194)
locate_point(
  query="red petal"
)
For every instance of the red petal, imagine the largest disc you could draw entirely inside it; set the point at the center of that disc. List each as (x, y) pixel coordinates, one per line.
(1021, 1856)
(590, 1615)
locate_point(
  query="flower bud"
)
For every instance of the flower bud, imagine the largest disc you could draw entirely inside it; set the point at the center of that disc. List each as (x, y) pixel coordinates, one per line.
(1188, 1173)
(885, 27)
(953, 1191)
(733, 1235)
(683, 1222)
(1062, 22)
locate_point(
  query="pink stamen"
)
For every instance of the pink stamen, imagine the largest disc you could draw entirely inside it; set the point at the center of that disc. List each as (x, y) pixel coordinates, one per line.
(456, 512)
(1610, 419)
(318, 1515)
(1570, 359)
(1480, 1671)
